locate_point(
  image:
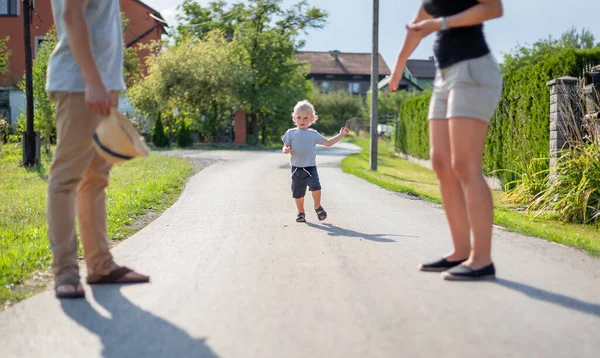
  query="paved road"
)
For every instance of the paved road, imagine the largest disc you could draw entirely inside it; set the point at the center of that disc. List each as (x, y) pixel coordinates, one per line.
(234, 276)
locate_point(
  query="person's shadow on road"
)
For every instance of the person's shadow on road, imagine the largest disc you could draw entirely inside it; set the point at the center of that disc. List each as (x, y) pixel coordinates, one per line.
(132, 331)
(333, 230)
(550, 297)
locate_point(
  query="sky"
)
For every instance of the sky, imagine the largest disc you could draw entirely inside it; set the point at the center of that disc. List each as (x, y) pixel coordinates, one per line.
(349, 24)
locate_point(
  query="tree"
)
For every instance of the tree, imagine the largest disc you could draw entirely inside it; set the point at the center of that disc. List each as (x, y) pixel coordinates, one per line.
(159, 138)
(184, 137)
(267, 37)
(335, 109)
(194, 80)
(4, 55)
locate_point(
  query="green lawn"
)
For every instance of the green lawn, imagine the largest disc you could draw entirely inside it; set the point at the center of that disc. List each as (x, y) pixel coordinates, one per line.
(397, 174)
(136, 187)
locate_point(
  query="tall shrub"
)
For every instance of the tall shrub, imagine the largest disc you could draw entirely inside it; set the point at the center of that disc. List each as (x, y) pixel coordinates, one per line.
(159, 138)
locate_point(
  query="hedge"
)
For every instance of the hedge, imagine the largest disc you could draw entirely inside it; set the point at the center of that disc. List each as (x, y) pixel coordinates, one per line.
(519, 131)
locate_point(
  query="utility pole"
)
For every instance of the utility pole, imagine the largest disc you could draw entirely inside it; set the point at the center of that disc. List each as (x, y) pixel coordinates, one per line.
(30, 138)
(374, 88)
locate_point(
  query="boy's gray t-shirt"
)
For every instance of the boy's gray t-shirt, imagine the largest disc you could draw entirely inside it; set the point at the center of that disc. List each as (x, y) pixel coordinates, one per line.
(303, 143)
(104, 22)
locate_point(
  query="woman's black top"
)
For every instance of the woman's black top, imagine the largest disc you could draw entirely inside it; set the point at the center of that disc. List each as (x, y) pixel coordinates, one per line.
(459, 43)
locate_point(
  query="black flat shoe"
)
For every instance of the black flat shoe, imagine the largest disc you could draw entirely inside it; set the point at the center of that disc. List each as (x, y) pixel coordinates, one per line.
(439, 265)
(464, 273)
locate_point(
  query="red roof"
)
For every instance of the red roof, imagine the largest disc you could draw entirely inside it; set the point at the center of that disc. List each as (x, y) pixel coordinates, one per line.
(341, 63)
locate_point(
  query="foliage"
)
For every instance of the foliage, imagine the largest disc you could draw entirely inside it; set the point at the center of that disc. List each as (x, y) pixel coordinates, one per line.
(195, 81)
(159, 138)
(184, 137)
(5, 130)
(266, 37)
(4, 55)
(132, 69)
(571, 188)
(335, 109)
(412, 131)
(43, 113)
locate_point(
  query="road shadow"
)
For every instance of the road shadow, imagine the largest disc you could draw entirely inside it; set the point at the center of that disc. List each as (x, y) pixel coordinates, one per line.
(550, 297)
(132, 331)
(333, 230)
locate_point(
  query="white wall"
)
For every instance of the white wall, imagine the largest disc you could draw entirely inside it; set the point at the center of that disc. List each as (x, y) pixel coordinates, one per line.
(17, 105)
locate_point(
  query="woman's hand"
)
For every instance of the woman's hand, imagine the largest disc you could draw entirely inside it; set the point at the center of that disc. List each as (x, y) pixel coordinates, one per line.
(425, 28)
(394, 82)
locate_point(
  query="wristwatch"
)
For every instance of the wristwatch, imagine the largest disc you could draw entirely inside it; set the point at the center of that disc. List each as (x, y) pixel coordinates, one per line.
(443, 21)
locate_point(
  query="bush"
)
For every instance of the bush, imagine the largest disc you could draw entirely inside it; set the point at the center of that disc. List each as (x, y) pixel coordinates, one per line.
(519, 131)
(159, 138)
(184, 137)
(412, 131)
(334, 109)
(571, 189)
(5, 130)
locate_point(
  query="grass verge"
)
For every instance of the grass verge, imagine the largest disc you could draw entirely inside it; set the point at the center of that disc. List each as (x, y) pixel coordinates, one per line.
(143, 185)
(401, 175)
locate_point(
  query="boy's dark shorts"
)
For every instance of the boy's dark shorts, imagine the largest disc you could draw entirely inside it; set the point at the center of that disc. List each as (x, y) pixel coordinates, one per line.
(303, 177)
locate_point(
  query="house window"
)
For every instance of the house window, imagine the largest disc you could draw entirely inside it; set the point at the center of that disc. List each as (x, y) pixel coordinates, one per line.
(9, 7)
(38, 43)
(325, 86)
(4, 99)
(354, 87)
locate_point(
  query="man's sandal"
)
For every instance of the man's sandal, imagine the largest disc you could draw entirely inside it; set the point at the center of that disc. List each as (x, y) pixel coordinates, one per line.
(321, 213)
(301, 218)
(120, 275)
(69, 281)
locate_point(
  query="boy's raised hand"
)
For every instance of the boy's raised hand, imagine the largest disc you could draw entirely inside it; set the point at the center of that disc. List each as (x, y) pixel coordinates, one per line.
(344, 131)
(287, 150)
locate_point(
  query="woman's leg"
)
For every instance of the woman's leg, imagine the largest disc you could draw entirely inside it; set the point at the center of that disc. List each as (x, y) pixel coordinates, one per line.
(450, 188)
(467, 140)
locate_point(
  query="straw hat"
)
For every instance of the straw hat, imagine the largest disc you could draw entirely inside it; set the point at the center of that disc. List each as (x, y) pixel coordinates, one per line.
(117, 140)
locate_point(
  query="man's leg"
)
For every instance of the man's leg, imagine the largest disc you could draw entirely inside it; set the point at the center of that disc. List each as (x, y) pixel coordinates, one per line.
(91, 212)
(74, 151)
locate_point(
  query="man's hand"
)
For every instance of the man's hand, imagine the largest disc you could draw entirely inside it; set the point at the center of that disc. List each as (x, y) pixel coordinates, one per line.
(287, 149)
(344, 131)
(98, 99)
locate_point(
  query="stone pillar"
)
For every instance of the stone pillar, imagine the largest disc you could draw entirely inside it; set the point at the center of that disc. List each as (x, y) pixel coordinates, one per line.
(562, 92)
(240, 127)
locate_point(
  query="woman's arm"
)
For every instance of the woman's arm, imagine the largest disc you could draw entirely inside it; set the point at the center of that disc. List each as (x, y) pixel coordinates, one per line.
(411, 41)
(478, 14)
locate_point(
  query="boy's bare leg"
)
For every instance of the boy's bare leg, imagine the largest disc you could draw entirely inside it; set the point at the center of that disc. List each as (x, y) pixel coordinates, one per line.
(317, 198)
(300, 204)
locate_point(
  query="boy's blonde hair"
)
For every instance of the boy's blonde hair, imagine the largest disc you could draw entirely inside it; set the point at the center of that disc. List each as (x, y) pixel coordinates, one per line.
(305, 106)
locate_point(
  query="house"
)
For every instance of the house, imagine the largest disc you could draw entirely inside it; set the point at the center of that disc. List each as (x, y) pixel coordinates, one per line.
(335, 70)
(418, 75)
(145, 25)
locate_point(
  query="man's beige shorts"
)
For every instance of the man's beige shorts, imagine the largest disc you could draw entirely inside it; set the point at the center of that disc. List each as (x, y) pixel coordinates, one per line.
(470, 88)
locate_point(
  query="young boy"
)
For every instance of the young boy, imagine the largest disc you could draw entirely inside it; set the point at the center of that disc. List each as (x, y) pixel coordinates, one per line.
(300, 142)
